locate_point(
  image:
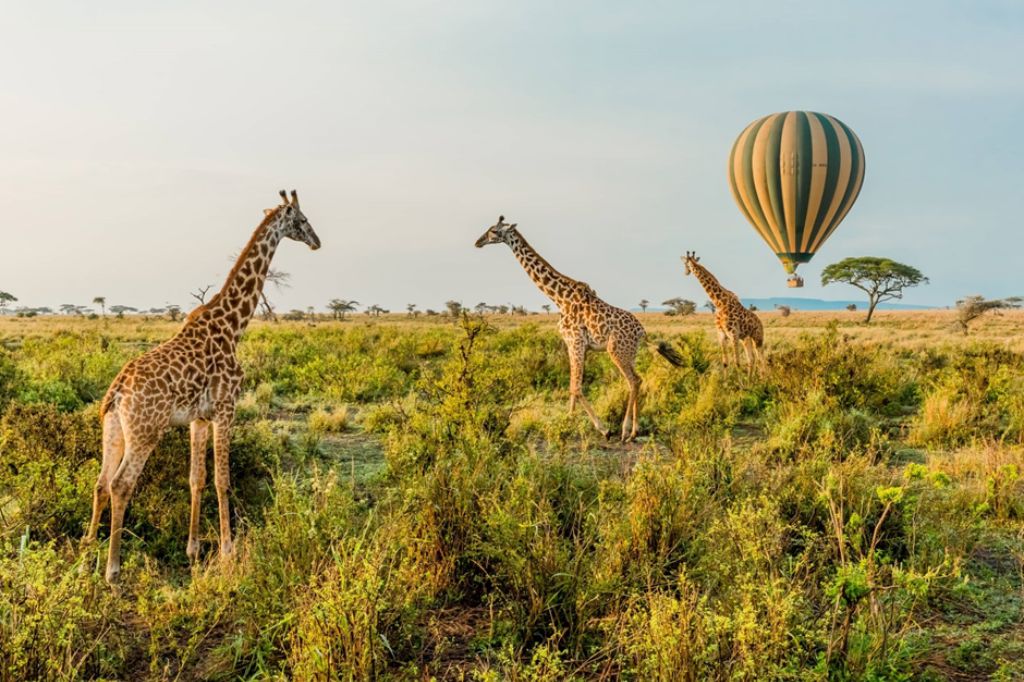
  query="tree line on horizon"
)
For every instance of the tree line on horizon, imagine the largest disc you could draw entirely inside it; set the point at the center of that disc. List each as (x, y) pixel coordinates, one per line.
(882, 279)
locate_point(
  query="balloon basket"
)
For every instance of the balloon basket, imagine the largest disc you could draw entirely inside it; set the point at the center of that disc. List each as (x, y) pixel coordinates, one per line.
(795, 282)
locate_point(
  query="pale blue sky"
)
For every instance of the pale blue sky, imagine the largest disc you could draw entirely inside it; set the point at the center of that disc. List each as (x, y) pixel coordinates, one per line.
(140, 143)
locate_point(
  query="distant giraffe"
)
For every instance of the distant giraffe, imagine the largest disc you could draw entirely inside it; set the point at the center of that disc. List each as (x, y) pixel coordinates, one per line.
(194, 378)
(734, 322)
(586, 323)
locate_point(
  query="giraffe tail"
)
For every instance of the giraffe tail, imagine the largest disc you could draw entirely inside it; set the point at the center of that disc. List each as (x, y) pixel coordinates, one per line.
(111, 395)
(669, 353)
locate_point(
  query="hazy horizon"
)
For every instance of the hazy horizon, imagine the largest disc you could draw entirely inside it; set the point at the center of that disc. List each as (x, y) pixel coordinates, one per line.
(142, 143)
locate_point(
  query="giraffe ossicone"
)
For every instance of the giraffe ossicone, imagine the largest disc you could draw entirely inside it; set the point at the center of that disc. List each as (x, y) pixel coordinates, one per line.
(193, 378)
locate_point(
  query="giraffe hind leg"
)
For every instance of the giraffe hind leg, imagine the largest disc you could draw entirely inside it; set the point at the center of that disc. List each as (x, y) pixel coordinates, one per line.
(113, 452)
(625, 363)
(137, 449)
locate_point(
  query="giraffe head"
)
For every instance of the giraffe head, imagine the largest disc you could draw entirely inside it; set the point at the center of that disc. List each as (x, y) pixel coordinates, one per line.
(292, 223)
(496, 233)
(689, 260)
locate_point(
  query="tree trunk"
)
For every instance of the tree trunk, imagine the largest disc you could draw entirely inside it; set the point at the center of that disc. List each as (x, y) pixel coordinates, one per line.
(872, 302)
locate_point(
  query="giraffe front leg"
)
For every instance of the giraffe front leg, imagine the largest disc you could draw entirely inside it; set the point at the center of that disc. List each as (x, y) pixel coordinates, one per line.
(577, 355)
(725, 349)
(222, 481)
(200, 436)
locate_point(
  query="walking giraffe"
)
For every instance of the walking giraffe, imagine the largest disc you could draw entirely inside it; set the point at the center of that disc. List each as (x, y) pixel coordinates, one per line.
(734, 322)
(586, 323)
(194, 378)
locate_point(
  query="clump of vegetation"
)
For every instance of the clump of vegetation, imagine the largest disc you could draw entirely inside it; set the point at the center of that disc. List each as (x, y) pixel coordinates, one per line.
(846, 515)
(972, 307)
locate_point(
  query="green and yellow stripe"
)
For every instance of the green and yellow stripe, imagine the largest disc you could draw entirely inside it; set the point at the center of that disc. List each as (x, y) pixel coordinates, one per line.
(794, 176)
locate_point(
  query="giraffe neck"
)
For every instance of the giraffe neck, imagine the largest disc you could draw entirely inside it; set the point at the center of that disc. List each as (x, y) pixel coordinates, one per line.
(715, 291)
(554, 284)
(235, 304)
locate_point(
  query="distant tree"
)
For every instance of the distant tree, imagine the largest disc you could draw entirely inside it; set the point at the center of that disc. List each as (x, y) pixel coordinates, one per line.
(454, 308)
(174, 312)
(710, 305)
(120, 310)
(519, 310)
(881, 279)
(679, 306)
(374, 310)
(431, 313)
(101, 301)
(295, 315)
(72, 309)
(481, 308)
(44, 310)
(6, 298)
(411, 309)
(546, 307)
(339, 306)
(643, 304)
(971, 308)
(852, 307)
(200, 293)
(753, 308)
(501, 309)
(784, 310)
(24, 311)
(279, 279)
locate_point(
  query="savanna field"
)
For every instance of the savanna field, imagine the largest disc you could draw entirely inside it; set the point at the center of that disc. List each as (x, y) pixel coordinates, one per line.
(412, 501)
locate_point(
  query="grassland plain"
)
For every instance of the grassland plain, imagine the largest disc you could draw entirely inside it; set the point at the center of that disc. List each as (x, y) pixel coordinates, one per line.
(412, 501)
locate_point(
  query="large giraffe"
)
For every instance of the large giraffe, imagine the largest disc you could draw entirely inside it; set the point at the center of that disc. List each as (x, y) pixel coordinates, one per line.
(193, 378)
(586, 323)
(734, 322)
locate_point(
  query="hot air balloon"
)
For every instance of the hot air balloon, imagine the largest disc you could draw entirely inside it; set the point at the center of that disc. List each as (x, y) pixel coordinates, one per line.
(794, 176)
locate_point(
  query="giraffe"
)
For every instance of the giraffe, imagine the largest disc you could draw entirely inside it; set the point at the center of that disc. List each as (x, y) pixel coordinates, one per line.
(193, 378)
(734, 322)
(586, 323)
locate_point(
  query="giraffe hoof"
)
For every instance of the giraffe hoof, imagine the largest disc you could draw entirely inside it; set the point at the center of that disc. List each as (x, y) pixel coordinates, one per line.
(192, 552)
(113, 575)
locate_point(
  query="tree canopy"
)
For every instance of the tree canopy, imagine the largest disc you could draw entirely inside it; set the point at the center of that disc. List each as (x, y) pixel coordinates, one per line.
(882, 279)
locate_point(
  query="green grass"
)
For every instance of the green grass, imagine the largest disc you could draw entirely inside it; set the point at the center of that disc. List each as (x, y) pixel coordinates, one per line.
(411, 500)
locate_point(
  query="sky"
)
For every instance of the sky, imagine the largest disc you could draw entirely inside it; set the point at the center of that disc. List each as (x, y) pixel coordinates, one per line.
(139, 143)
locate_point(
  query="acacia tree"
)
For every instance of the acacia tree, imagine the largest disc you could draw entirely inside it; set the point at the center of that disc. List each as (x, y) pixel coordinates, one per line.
(120, 310)
(101, 301)
(882, 279)
(546, 307)
(339, 306)
(972, 307)
(200, 294)
(454, 308)
(643, 304)
(6, 298)
(679, 306)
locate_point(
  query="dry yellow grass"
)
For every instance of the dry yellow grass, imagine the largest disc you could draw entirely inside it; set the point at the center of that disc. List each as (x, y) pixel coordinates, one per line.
(911, 329)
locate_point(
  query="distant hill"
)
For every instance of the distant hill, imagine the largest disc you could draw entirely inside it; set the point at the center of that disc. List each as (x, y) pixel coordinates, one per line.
(797, 303)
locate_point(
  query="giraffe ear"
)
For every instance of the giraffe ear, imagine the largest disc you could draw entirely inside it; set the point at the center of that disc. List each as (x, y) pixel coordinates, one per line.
(268, 211)
(513, 225)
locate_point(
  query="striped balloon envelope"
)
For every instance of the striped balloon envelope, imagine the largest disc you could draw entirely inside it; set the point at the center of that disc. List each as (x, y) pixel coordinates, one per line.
(794, 176)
